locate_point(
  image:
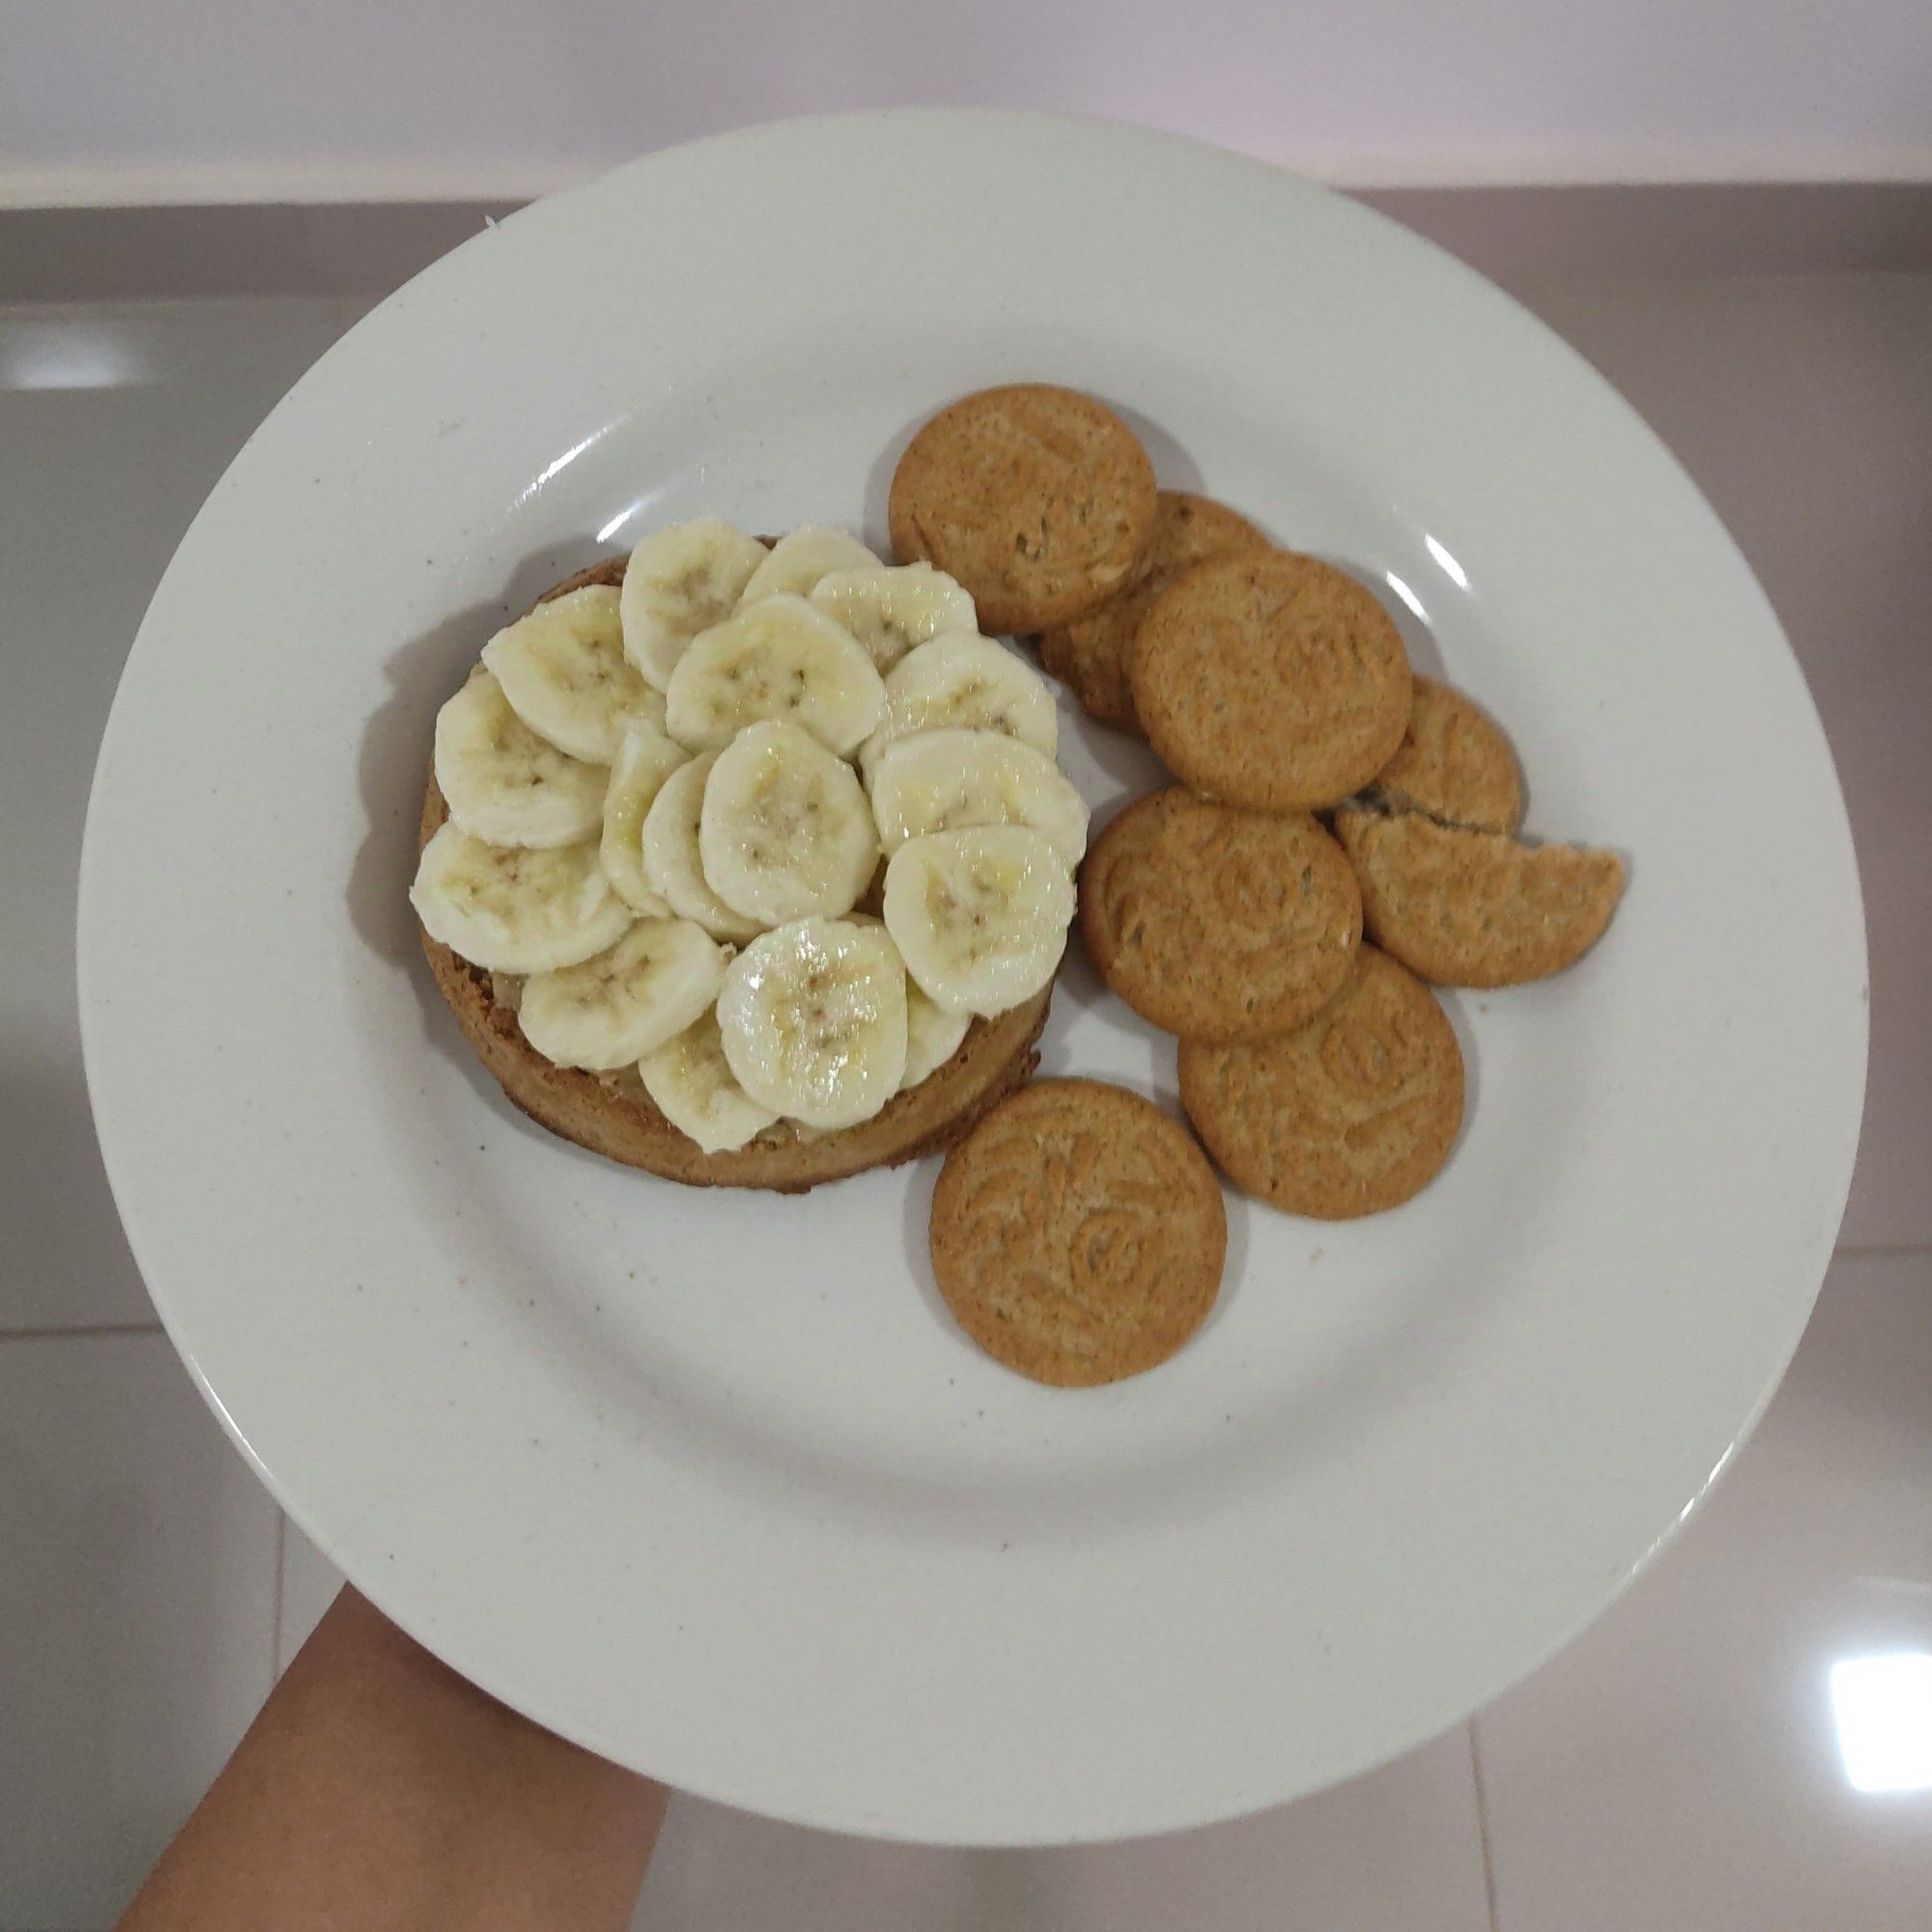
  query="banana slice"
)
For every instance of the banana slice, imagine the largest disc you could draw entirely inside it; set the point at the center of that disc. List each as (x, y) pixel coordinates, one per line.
(644, 760)
(890, 608)
(502, 783)
(795, 563)
(777, 657)
(814, 1021)
(970, 682)
(674, 864)
(679, 582)
(980, 917)
(509, 909)
(932, 1034)
(625, 1002)
(694, 1088)
(945, 780)
(562, 669)
(785, 831)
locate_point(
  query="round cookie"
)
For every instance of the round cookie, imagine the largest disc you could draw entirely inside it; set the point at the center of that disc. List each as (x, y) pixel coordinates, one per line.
(1454, 763)
(1039, 500)
(1078, 1233)
(1469, 908)
(1218, 923)
(1353, 1113)
(1273, 681)
(1091, 654)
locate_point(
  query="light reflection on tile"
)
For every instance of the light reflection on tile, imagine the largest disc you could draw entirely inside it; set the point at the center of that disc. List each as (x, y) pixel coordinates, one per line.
(74, 353)
(1883, 1708)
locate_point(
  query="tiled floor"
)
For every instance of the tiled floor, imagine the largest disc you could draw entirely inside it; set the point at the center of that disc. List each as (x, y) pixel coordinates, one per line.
(1698, 1758)
(1714, 1754)
(137, 1593)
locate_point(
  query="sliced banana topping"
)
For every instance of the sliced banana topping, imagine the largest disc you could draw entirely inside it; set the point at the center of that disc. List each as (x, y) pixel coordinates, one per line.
(777, 657)
(694, 1088)
(506, 785)
(624, 1002)
(562, 669)
(947, 781)
(932, 1034)
(641, 778)
(785, 831)
(674, 864)
(645, 759)
(511, 909)
(679, 582)
(970, 682)
(891, 607)
(795, 563)
(814, 1021)
(980, 917)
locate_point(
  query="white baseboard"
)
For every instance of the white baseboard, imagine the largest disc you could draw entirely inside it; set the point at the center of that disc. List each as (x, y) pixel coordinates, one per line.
(1629, 164)
(316, 185)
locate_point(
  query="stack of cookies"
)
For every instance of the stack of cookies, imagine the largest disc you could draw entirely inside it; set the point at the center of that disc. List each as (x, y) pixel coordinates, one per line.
(1325, 792)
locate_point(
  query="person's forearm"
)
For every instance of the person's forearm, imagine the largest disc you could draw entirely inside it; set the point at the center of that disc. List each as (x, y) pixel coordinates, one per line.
(378, 1789)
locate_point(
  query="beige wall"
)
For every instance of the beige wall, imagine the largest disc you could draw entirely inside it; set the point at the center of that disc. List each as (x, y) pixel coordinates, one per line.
(192, 99)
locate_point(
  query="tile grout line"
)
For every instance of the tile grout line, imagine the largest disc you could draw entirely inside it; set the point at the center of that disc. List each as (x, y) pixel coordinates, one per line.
(57, 1333)
(275, 1597)
(1483, 1827)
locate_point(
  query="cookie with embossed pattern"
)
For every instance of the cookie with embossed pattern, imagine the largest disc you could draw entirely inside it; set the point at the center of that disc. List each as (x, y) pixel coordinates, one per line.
(1454, 763)
(1090, 655)
(1218, 923)
(1273, 681)
(1078, 1233)
(1468, 908)
(1353, 1113)
(1039, 500)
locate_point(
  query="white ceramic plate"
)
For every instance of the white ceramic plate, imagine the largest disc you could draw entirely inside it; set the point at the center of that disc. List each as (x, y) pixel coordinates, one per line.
(711, 1483)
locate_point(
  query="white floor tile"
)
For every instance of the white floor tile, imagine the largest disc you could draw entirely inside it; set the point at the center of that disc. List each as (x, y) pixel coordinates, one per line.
(1398, 1849)
(114, 423)
(136, 1590)
(1803, 406)
(309, 1584)
(1694, 1763)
